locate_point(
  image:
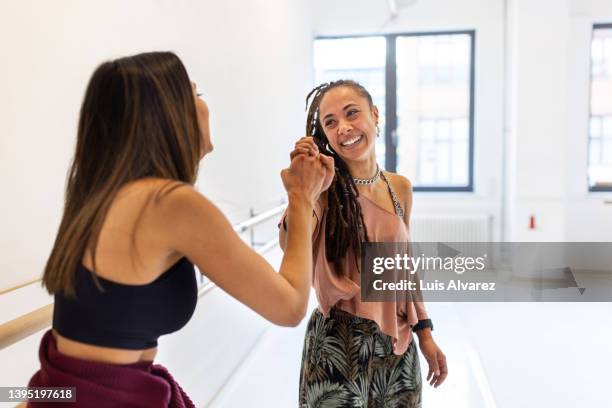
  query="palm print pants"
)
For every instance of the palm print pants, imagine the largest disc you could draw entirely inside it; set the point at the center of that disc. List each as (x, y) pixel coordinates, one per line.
(347, 362)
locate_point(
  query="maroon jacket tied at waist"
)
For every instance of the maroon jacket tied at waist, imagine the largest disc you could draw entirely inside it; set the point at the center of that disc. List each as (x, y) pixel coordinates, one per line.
(101, 385)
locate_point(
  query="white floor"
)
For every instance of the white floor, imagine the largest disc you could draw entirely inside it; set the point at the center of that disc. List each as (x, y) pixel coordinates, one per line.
(500, 355)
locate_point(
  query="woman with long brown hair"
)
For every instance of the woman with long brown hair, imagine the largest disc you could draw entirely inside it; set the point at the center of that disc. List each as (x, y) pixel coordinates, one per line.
(358, 354)
(122, 266)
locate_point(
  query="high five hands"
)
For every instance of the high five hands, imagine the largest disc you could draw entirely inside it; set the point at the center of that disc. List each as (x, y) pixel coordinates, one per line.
(310, 171)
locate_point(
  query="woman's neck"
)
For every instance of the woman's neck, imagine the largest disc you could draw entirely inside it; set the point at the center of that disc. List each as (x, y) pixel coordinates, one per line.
(363, 169)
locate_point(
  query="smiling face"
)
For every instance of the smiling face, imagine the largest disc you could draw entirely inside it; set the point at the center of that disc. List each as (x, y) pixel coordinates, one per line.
(349, 123)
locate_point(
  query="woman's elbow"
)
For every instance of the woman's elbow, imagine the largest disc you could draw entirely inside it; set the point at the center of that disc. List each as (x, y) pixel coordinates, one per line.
(299, 316)
(293, 316)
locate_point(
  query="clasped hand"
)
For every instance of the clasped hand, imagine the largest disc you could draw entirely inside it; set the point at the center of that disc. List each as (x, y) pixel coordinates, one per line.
(310, 172)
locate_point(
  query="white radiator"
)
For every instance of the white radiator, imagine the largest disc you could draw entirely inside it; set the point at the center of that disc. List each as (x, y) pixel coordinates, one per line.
(451, 228)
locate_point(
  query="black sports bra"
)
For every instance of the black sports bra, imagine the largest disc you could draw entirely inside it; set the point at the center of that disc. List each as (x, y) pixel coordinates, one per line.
(127, 316)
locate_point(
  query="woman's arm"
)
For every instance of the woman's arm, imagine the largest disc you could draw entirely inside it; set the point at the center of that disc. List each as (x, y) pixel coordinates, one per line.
(436, 360)
(405, 192)
(307, 147)
(284, 224)
(198, 230)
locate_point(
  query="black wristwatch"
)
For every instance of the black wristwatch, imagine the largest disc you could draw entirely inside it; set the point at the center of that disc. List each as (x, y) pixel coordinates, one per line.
(422, 324)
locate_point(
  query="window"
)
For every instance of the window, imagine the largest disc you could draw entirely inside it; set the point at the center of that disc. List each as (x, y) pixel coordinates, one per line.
(442, 151)
(434, 110)
(600, 123)
(423, 86)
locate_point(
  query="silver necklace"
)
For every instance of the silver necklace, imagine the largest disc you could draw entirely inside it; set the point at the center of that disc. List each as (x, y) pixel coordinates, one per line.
(372, 180)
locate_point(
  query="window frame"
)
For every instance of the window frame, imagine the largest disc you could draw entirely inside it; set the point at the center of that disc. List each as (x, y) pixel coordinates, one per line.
(593, 189)
(391, 101)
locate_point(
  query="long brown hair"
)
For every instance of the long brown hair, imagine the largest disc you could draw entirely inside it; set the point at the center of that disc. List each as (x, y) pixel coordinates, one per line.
(344, 225)
(138, 119)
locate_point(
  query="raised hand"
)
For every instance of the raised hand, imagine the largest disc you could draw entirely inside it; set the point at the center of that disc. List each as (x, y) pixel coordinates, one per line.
(307, 146)
(305, 176)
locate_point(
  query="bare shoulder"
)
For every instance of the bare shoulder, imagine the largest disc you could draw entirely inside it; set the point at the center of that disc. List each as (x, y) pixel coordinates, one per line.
(401, 185)
(403, 189)
(147, 188)
(168, 204)
(189, 221)
(141, 216)
(174, 199)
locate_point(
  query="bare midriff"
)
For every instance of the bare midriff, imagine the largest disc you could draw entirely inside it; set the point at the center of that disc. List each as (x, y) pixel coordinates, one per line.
(84, 351)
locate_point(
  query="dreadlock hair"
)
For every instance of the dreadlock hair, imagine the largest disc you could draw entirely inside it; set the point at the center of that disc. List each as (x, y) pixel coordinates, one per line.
(344, 225)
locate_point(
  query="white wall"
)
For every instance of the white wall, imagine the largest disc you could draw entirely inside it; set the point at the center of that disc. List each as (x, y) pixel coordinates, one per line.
(343, 17)
(250, 58)
(538, 129)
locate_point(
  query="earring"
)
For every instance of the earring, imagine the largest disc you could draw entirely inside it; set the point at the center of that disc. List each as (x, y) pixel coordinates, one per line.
(377, 131)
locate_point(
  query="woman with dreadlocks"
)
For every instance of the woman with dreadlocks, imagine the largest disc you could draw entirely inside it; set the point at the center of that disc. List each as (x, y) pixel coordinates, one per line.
(358, 354)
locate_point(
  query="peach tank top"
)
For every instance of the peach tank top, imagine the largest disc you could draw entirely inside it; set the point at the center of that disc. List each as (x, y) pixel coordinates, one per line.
(394, 318)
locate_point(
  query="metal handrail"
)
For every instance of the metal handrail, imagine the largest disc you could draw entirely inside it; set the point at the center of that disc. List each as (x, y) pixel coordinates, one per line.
(23, 326)
(258, 219)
